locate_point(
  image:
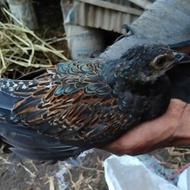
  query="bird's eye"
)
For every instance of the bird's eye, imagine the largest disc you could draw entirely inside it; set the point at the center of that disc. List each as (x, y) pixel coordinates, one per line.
(159, 62)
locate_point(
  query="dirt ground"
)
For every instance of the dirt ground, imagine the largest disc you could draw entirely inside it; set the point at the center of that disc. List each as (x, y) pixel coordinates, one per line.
(85, 174)
(89, 174)
(61, 176)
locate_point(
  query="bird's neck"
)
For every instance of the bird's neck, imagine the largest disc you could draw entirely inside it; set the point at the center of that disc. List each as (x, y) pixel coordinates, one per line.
(151, 98)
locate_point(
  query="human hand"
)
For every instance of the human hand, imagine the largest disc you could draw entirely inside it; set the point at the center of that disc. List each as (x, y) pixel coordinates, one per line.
(170, 129)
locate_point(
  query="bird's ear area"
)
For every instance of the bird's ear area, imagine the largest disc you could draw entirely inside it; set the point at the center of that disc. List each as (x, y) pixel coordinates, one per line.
(183, 47)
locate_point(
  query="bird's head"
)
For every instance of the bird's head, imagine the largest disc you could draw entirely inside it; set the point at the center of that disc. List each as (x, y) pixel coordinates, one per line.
(148, 62)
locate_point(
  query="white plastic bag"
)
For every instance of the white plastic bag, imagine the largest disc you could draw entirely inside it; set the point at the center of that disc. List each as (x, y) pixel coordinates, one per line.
(129, 173)
(184, 180)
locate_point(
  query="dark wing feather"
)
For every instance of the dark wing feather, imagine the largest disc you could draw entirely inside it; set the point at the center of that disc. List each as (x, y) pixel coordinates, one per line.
(31, 144)
(67, 107)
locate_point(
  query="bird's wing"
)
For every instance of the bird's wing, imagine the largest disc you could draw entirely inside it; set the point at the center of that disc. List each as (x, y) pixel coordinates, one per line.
(70, 102)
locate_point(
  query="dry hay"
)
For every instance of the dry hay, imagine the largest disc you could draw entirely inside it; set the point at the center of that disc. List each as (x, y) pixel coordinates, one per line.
(20, 46)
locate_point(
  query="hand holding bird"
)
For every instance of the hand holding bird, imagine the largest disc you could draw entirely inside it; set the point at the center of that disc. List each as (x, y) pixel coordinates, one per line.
(170, 129)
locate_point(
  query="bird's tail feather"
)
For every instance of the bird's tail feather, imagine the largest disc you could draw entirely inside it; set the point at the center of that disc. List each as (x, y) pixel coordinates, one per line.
(30, 144)
(6, 102)
(7, 98)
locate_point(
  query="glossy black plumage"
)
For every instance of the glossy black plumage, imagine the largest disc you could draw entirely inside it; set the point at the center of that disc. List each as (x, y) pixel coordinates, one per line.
(179, 76)
(78, 105)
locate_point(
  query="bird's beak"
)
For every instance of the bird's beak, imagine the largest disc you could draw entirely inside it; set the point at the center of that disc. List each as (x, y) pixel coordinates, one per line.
(181, 58)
